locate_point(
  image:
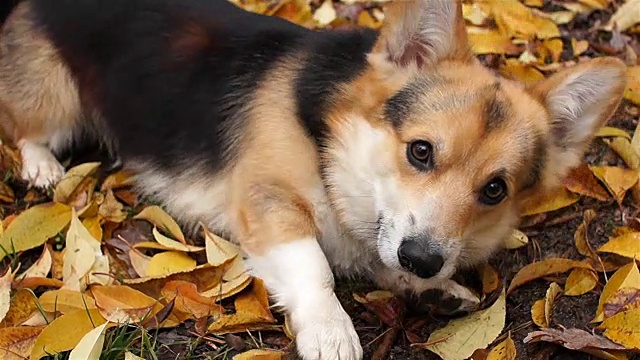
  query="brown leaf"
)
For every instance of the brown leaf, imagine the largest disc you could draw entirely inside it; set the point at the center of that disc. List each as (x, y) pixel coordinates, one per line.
(506, 350)
(627, 276)
(23, 304)
(546, 306)
(16, 343)
(490, 279)
(616, 179)
(68, 186)
(516, 70)
(188, 300)
(624, 299)
(111, 209)
(580, 237)
(558, 199)
(259, 354)
(632, 92)
(581, 180)
(158, 217)
(122, 304)
(624, 329)
(575, 339)
(543, 268)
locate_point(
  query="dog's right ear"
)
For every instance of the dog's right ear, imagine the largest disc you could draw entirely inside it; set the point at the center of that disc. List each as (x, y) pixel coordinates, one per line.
(418, 33)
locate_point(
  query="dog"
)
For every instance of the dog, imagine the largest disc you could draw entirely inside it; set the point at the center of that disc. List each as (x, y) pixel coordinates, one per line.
(391, 154)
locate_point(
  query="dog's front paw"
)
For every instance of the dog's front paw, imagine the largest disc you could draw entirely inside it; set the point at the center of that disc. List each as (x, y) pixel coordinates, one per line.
(39, 166)
(326, 332)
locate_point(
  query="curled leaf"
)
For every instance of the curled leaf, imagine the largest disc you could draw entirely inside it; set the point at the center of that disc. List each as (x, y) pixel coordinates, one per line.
(543, 268)
(580, 281)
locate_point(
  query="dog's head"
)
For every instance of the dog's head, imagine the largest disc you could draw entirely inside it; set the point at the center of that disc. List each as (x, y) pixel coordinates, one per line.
(432, 154)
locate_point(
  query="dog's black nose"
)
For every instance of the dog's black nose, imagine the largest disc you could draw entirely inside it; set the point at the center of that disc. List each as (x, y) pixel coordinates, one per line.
(417, 258)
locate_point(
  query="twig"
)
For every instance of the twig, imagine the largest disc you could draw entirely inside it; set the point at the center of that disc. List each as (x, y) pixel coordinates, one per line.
(387, 342)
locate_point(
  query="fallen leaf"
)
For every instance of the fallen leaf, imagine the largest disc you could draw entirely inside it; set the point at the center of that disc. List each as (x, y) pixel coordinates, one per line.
(73, 325)
(506, 350)
(5, 292)
(218, 249)
(580, 281)
(581, 180)
(72, 179)
(627, 245)
(474, 14)
(543, 268)
(461, 337)
(16, 343)
(580, 237)
(623, 328)
(117, 180)
(537, 313)
(516, 20)
(81, 254)
(170, 262)
(259, 354)
(65, 301)
(632, 92)
(625, 150)
(41, 267)
(6, 194)
(188, 300)
(546, 306)
(90, 346)
(490, 279)
(139, 262)
(554, 48)
(122, 304)
(516, 70)
(171, 244)
(624, 299)
(627, 276)
(616, 179)
(325, 14)
(93, 226)
(491, 42)
(627, 15)
(158, 217)
(517, 240)
(575, 339)
(40, 318)
(33, 227)
(228, 288)
(610, 131)
(558, 199)
(111, 209)
(579, 46)
(130, 356)
(23, 304)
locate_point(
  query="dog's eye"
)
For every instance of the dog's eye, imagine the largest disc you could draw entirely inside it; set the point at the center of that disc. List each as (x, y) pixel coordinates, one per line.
(420, 154)
(494, 192)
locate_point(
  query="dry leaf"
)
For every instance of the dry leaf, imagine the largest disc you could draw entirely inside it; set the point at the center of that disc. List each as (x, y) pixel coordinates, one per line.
(491, 42)
(616, 179)
(624, 299)
(325, 14)
(609, 131)
(129, 356)
(170, 262)
(228, 288)
(490, 279)
(90, 346)
(93, 226)
(537, 313)
(632, 92)
(171, 244)
(117, 180)
(543, 309)
(218, 249)
(579, 46)
(580, 281)
(111, 209)
(506, 350)
(65, 301)
(5, 292)
(72, 180)
(543, 268)
(139, 262)
(581, 180)
(122, 304)
(16, 343)
(574, 339)
(73, 325)
(516, 20)
(516, 70)
(624, 329)
(474, 14)
(517, 240)
(188, 300)
(461, 337)
(627, 276)
(23, 304)
(33, 227)
(625, 17)
(259, 354)
(580, 237)
(41, 267)
(627, 245)
(158, 217)
(6, 194)
(558, 199)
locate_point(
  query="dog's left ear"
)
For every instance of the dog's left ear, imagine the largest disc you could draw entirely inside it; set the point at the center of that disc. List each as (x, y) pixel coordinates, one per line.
(422, 32)
(579, 101)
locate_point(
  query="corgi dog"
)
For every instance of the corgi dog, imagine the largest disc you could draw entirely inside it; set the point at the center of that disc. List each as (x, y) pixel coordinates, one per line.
(392, 155)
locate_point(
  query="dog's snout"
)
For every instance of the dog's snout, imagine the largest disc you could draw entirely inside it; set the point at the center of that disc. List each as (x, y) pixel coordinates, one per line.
(416, 257)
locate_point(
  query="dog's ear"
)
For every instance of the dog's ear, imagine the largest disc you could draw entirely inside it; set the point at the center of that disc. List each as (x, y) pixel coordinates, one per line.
(422, 32)
(579, 101)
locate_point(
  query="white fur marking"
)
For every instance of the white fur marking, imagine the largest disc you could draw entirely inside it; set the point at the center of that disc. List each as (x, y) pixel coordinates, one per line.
(39, 166)
(299, 277)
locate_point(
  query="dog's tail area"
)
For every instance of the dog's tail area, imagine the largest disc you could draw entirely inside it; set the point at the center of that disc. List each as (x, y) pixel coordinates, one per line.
(6, 6)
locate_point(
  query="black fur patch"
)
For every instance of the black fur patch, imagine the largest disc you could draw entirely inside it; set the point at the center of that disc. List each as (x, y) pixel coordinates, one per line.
(399, 106)
(168, 95)
(495, 111)
(537, 161)
(334, 58)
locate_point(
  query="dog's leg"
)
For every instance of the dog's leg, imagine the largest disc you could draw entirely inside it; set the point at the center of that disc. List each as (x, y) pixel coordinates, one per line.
(279, 237)
(39, 102)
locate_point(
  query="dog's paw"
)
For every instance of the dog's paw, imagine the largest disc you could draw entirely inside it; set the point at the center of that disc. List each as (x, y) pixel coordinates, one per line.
(457, 299)
(39, 166)
(326, 333)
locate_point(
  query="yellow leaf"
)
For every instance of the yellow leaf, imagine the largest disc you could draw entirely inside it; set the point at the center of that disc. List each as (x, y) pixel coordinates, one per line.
(491, 42)
(616, 179)
(90, 346)
(5, 292)
(172, 244)
(543, 268)
(581, 180)
(73, 325)
(139, 262)
(34, 227)
(627, 276)
(515, 70)
(259, 354)
(580, 237)
(158, 217)
(80, 255)
(461, 337)
(170, 262)
(534, 3)
(506, 350)
(579, 46)
(325, 14)
(609, 131)
(218, 249)
(517, 240)
(72, 180)
(490, 279)
(189, 300)
(537, 313)
(129, 356)
(117, 180)
(624, 328)
(122, 304)
(556, 200)
(580, 281)
(111, 209)
(595, 4)
(516, 20)
(554, 48)
(632, 92)
(542, 309)
(474, 14)
(93, 225)
(23, 304)
(561, 18)
(623, 147)
(16, 343)
(625, 17)
(627, 245)
(41, 267)
(228, 288)
(65, 301)
(625, 299)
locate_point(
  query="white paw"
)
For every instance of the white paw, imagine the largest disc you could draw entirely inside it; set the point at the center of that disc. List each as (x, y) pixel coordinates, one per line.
(39, 166)
(326, 333)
